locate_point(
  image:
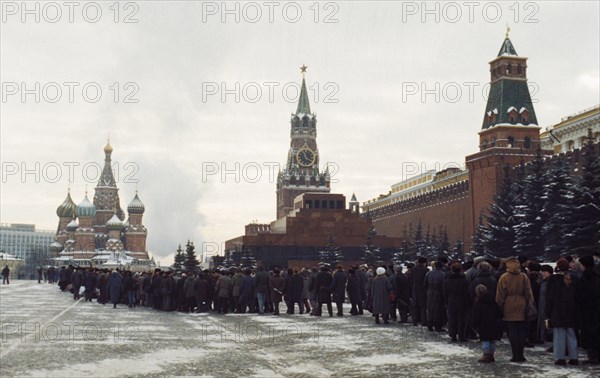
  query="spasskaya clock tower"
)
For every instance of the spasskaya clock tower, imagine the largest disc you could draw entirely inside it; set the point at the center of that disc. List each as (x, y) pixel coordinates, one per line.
(301, 172)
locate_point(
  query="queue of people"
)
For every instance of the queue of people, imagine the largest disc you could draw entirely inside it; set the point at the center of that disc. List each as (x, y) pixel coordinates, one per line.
(480, 300)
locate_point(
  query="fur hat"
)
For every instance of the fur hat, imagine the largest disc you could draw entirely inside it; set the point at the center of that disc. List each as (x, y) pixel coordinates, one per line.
(380, 271)
(587, 261)
(478, 259)
(546, 268)
(562, 264)
(422, 260)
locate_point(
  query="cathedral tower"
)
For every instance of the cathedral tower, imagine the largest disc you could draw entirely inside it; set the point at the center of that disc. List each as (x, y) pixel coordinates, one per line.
(301, 172)
(106, 197)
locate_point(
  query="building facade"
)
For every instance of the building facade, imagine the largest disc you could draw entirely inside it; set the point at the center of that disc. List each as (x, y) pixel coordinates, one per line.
(26, 244)
(96, 233)
(572, 131)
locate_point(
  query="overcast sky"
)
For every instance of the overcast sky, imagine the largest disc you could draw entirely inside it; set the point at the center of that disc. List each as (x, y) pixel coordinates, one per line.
(367, 71)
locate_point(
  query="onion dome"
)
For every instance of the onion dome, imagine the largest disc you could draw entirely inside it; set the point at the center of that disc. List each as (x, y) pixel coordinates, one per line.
(136, 206)
(86, 208)
(108, 148)
(72, 226)
(56, 247)
(114, 223)
(67, 208)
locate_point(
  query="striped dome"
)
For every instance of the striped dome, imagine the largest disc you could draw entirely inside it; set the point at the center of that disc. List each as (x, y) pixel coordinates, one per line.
(136, 206)
(114, 223)
(86, 208)
(67, 208)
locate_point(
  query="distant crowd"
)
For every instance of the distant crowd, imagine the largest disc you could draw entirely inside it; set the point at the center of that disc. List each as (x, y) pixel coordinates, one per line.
(480, 299)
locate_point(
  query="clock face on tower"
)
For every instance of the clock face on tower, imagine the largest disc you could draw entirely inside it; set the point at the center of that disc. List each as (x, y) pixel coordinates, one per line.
(305, 157)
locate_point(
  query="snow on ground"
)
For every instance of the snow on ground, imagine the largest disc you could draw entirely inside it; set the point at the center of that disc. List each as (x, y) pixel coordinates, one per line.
(46, 333)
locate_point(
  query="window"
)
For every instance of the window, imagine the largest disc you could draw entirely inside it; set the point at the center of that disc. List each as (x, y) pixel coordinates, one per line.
(519, 69)
(332, 204)
(484, 144)
(527, 142)
(510, 142)
(509, 68)
(317, 204)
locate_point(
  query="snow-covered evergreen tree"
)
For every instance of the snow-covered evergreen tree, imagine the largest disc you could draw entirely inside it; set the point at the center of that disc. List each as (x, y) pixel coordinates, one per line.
(444, 247)
(371, 253)
(331, 255)
(478, 239)
(420, 246)
(529, 218)
(499, 235)
(558, 207)
(179, 260)
(583, 229)
(457, 251)
(191, 263)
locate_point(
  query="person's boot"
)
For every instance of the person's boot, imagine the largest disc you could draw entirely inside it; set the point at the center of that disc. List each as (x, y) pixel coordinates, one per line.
(485, 358)
(377, 319)
(491, 356)
(385, 319)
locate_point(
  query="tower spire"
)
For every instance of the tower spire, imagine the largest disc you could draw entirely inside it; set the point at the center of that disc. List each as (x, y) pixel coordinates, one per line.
(303, 103)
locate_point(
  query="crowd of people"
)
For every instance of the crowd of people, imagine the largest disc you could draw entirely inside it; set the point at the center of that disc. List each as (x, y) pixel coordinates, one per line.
(478, 300)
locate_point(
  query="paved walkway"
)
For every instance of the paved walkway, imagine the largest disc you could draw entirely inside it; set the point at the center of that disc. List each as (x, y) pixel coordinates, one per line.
(44, 332)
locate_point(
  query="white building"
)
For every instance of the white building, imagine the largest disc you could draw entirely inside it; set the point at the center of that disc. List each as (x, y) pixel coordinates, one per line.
(571, 132)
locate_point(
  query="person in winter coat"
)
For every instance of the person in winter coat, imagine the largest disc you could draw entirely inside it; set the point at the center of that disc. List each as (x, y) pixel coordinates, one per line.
(223, 287)
(261, 280)
(167, 291)
(402, 291)
(535, 279)
(180, 292)
(155, 289)
(115, 284)
(89, 281)
(103, 287)
(276, 284)
(361, 273)
(419, 293)
(338, 289)
(512, 295)
(235, 291)
(483, 277)
(201, 288)
(247, 292)
(293, 291)
(76, 282)
(434, 281)
(305, 273)
(546, 271)
(322, 285)
(353, 290)
(486, 319)
(561, 312)
(380, 294)
(129, 288)
(62, 278)
(190, 293)
(457, 301)
(312, 280)
(588, 308)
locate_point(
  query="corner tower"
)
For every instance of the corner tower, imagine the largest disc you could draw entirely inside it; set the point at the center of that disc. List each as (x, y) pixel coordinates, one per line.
(301, 172)
(509, 133)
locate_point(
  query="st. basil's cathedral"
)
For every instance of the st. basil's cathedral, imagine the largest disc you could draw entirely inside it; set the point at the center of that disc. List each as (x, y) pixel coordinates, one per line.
(96, 234)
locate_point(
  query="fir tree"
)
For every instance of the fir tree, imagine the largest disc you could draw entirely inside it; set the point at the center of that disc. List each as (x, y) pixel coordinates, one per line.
(529, 218)
(479, 238)
(584, 229)
(445, 242)
(500, 235)
(372, 254)
(558, 199)
(179, 259)
(457, 251)
(420, 247)
(331, 255)
(191, 263)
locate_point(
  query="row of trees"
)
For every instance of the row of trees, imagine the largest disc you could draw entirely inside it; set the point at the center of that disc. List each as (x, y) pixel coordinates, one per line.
(544, 211)
(186, 261)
